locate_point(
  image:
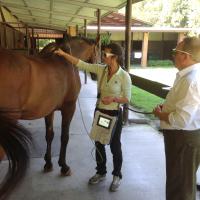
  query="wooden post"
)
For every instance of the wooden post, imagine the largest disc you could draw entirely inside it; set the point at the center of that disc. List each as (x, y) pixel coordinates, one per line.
(144, 49)
(85, 35)
(180, 37)
(4, 28)
(32, 42)
(76, 30)
(14, 40)
(5, 36)
(85, 27)
(127, 50)
(27, 40)
(128, 34)
(99, 31)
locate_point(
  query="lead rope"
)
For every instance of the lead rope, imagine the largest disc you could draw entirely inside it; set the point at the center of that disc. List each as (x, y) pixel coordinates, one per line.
(141, 112)
(87, 132)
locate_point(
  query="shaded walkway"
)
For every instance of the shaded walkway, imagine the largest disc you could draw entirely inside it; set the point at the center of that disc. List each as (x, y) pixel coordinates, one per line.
(143, 166)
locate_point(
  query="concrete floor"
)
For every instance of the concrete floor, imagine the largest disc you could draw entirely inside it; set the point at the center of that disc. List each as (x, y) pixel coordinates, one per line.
(143, 165)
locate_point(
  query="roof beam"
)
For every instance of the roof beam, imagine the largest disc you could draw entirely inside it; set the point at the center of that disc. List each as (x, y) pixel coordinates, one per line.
(22, 16)
(55, 26)
(84, 4)
(12, 5)
(51, 8)
(88, 5)
(42, 25)
(25, 5)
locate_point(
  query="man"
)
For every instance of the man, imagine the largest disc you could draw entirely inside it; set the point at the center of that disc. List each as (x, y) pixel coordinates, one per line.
(180, 121)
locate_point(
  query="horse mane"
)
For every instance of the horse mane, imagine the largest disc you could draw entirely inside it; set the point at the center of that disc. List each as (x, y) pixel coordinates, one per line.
(87, 40)
(64, 44)
(48, 50)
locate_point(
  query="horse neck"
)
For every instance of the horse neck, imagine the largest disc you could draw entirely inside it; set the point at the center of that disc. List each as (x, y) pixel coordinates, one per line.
(81, 51)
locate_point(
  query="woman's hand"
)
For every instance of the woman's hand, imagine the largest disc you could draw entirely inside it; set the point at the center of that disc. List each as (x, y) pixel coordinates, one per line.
(108, 100)
(59, 52)
(67, 56)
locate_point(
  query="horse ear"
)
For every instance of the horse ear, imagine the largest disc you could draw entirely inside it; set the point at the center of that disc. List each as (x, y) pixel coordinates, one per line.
(97, 39)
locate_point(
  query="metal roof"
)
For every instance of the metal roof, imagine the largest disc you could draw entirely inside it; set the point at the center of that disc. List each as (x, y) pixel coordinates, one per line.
(59, 14)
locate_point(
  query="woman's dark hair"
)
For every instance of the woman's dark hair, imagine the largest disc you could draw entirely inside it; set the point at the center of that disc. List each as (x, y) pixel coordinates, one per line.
(118, 51)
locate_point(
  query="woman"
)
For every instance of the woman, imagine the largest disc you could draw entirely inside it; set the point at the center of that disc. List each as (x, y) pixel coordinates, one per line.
(114, 88)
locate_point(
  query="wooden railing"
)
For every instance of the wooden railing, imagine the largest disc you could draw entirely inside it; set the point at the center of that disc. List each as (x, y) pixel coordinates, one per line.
(152, 87)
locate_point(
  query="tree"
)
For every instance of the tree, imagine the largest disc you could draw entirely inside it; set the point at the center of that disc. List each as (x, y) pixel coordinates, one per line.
(170, 13)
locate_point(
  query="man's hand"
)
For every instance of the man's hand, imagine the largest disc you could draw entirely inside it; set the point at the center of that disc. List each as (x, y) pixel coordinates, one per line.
(164, 116)
(157, 110)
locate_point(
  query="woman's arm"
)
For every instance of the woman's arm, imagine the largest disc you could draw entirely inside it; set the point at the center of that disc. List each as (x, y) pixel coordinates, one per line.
(67, 56)
(94, 68)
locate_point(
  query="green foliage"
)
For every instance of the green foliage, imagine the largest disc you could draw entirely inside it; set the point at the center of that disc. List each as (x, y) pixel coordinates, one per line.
(158, 63)
(144, 100)
(44, 42)
(169, 13)
(105, 38)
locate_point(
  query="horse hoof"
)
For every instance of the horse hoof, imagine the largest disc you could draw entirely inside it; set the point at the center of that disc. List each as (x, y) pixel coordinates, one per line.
(67, 173)
(48, 168)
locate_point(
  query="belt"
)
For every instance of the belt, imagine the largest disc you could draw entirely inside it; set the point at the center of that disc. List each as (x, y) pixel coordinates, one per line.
(109, 112)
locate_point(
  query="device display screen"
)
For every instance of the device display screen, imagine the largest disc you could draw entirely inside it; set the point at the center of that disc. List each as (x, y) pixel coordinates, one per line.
(104, 122)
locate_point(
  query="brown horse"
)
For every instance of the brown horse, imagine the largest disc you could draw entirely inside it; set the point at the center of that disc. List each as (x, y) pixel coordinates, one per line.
(35, 87)
(2, 153)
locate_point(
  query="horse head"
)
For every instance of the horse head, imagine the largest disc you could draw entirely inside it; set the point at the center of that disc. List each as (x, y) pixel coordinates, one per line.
(80, 47)
(84, 48)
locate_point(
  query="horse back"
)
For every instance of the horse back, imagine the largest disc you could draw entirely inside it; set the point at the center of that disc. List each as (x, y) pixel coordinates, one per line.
(34, 85)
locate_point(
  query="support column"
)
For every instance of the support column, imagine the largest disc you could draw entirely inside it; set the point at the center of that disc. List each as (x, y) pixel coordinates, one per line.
(5, 36)
(99, 31)
(76, 30)
(128, 34)
(144, 49)
(32, 42)
(127, 50)
(27, 40)
(181, 36)
(85, 35)
(4, 28)
(71, 30)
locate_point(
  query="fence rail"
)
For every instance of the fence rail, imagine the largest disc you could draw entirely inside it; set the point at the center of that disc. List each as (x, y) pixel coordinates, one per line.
(150, 86)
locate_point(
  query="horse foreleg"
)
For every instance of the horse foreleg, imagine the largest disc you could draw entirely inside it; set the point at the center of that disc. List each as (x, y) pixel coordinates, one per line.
(67, 115)
(2, 153)
(49, 138)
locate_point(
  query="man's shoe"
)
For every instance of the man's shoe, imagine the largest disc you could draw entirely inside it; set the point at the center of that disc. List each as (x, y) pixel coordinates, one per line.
(115, 184)
(97, 178)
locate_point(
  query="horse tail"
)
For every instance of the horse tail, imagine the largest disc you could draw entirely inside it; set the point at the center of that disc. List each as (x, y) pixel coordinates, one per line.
(16, 142)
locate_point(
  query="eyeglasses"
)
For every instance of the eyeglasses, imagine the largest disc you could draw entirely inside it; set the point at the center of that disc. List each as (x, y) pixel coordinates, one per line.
(106, 54)
(174, 51)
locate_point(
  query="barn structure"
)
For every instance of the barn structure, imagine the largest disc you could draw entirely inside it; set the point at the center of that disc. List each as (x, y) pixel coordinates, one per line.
(22, 23)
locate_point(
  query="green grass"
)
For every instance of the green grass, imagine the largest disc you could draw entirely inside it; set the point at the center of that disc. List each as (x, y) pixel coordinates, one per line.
(158, 63)
(143, 100)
